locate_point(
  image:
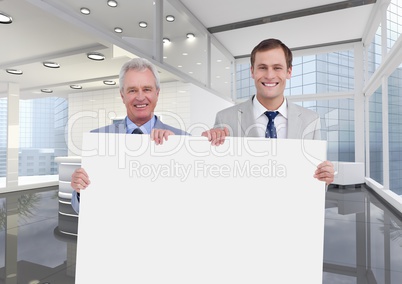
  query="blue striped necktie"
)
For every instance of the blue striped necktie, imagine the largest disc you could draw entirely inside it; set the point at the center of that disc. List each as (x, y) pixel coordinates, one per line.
(271, 130)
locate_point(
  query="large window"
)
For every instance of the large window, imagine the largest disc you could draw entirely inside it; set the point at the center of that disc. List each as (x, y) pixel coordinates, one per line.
(3, 141)
(394, 22)
(42, 125)
(375, 123)
(395, 130)
(322, 73)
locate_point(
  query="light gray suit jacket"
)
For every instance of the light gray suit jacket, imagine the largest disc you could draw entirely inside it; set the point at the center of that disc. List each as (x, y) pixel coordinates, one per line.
(121, 128)
(302, 123)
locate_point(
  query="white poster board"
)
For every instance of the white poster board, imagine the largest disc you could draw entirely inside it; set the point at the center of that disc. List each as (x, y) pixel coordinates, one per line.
(248, 211)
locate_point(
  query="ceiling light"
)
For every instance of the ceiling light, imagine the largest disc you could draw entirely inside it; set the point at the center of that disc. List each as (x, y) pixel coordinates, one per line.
(170, 18)
(190, 35)
(51, 64)
(48, 91)
(85, 11)
(166, 40)
(14, 71)
(112, 3)
(76, 87)
(109, 82)
(95, 56)
(143, 24)
(5, 19)
(118, 30)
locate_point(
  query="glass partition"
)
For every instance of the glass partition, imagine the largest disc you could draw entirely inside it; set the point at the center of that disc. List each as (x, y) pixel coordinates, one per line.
(185, 47)
(375, 128)
(337, 127)
(394, 22)
(395, 130)
(3, 141)
(42, 125)
(221, 72)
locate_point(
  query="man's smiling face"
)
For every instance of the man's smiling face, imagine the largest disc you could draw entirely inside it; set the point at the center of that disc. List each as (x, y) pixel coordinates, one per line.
(270, 73)
(140, 95)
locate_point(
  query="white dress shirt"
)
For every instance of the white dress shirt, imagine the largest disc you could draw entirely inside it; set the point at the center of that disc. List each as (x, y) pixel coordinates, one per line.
(280, 121)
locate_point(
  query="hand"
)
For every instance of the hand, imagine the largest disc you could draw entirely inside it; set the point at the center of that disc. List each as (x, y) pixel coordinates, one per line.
(325, 172)
(158, 135)
(216, 135)
(79, 180)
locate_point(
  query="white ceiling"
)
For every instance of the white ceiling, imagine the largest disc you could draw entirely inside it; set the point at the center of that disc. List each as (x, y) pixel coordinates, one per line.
(55, 30)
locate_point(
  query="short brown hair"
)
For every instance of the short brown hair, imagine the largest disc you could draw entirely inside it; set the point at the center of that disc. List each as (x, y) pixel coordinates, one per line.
(272, 43)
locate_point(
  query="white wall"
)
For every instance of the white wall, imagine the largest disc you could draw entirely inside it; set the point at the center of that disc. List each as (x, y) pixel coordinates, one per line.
(204, 107)
(181, 105)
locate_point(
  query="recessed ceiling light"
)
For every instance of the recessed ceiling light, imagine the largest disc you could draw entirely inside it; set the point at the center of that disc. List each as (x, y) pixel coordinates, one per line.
(14, 71)
(96, 56)
(143, 24)
(109, 82)
(190, 35)
(185, 53)
(5, 19)
(85, 11)
(51, 64)
(166, 40)
(48, 91)
(76, 87)
(112, 3)
(170, 18)
(118, 30)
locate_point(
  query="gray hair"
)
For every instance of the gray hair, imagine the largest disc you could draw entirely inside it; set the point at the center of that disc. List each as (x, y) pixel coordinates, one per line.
(138, 64)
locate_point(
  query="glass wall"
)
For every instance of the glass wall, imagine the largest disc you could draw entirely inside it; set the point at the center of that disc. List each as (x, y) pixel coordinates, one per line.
(395, 130)
(3, 141)
(42, 125)
(375, 126)
(322, 73)
(374, 53)
(337, 127)
(188, 54)
(394, 22)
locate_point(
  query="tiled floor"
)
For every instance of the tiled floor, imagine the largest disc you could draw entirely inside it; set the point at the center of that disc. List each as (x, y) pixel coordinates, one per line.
(363, 239)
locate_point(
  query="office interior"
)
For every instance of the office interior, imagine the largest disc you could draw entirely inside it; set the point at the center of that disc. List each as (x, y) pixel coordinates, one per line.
(346, 67)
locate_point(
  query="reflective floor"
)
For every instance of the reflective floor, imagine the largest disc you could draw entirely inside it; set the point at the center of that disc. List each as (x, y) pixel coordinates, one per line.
(363, 239)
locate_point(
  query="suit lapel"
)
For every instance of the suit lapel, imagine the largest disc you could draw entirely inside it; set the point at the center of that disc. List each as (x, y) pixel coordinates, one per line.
(120, 127)
(294, 122)
(246, 119)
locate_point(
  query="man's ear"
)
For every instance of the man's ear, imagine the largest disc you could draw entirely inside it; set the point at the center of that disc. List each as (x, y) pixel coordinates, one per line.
(289, 73)
(252, 71)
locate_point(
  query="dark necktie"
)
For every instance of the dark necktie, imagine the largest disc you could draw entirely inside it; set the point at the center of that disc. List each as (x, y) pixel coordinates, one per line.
(137, 131)
(271, 130)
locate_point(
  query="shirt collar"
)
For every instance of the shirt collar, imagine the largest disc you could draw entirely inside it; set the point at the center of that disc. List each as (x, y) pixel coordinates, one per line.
(145, 128)
(259, 109)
